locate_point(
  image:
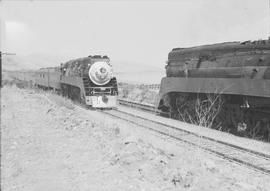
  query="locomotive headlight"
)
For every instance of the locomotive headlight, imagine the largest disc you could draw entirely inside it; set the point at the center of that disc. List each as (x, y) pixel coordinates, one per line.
(100, 73)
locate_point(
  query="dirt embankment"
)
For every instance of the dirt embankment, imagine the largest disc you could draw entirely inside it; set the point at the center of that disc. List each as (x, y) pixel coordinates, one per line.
(48, 143)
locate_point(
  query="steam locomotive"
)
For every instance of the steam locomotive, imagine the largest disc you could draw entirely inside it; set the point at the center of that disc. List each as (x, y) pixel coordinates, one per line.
(225, 86)
(88, 80)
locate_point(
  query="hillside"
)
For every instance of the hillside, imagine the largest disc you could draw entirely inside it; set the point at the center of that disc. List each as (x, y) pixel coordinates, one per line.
(125, 71)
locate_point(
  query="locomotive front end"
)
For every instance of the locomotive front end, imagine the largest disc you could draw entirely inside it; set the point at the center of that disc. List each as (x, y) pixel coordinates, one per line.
(103, 93)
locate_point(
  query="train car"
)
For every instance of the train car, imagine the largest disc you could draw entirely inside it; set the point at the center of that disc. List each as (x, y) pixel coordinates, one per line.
(90, 80)
(230, 81)
(48, 78)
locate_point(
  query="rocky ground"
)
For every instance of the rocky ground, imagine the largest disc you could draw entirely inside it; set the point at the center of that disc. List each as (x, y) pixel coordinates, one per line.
(48, 143)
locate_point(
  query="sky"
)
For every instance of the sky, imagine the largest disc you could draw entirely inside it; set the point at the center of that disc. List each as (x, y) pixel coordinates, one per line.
(139, 32)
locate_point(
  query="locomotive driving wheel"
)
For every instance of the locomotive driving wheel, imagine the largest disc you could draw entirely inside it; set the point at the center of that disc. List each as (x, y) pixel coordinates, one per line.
(164, 106)
(179, 105)
(221, 120)
(187, 111)
(64, 90)
(258, 125)
(230, 118)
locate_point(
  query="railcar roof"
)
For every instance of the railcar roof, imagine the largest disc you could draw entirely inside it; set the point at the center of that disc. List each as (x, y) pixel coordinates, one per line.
(49, 68)
(224, 47)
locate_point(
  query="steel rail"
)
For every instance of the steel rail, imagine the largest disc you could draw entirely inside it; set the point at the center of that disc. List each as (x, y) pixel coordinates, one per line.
(250, 158)
(152, 109)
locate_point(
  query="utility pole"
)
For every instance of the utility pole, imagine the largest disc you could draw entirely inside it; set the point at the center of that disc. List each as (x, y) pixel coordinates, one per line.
(0, 69)
(2, 53)
(269, 19)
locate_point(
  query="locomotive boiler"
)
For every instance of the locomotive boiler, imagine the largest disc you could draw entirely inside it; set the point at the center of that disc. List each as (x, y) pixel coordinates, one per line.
(229, 81)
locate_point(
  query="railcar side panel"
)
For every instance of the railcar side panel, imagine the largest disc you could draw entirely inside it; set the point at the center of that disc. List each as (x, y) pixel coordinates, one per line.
(241, 86)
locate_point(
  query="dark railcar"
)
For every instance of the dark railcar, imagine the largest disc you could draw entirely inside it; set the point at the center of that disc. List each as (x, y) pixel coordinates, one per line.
(237, 73)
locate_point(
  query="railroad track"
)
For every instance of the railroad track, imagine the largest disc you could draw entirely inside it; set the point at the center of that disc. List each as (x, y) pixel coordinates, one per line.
(243, 156)
(145, 107)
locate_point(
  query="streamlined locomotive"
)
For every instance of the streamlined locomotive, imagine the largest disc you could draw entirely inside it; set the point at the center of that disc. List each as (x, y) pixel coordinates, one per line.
(90, 80)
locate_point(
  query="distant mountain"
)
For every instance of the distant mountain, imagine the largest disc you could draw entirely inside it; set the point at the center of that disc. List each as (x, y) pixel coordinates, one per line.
(133, 67)
(36, 61)
(125, 71)
(29, 62)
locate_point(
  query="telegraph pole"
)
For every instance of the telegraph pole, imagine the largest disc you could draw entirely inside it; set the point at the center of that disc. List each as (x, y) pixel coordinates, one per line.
(2, 53)
(269, 19)
(0, 69)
